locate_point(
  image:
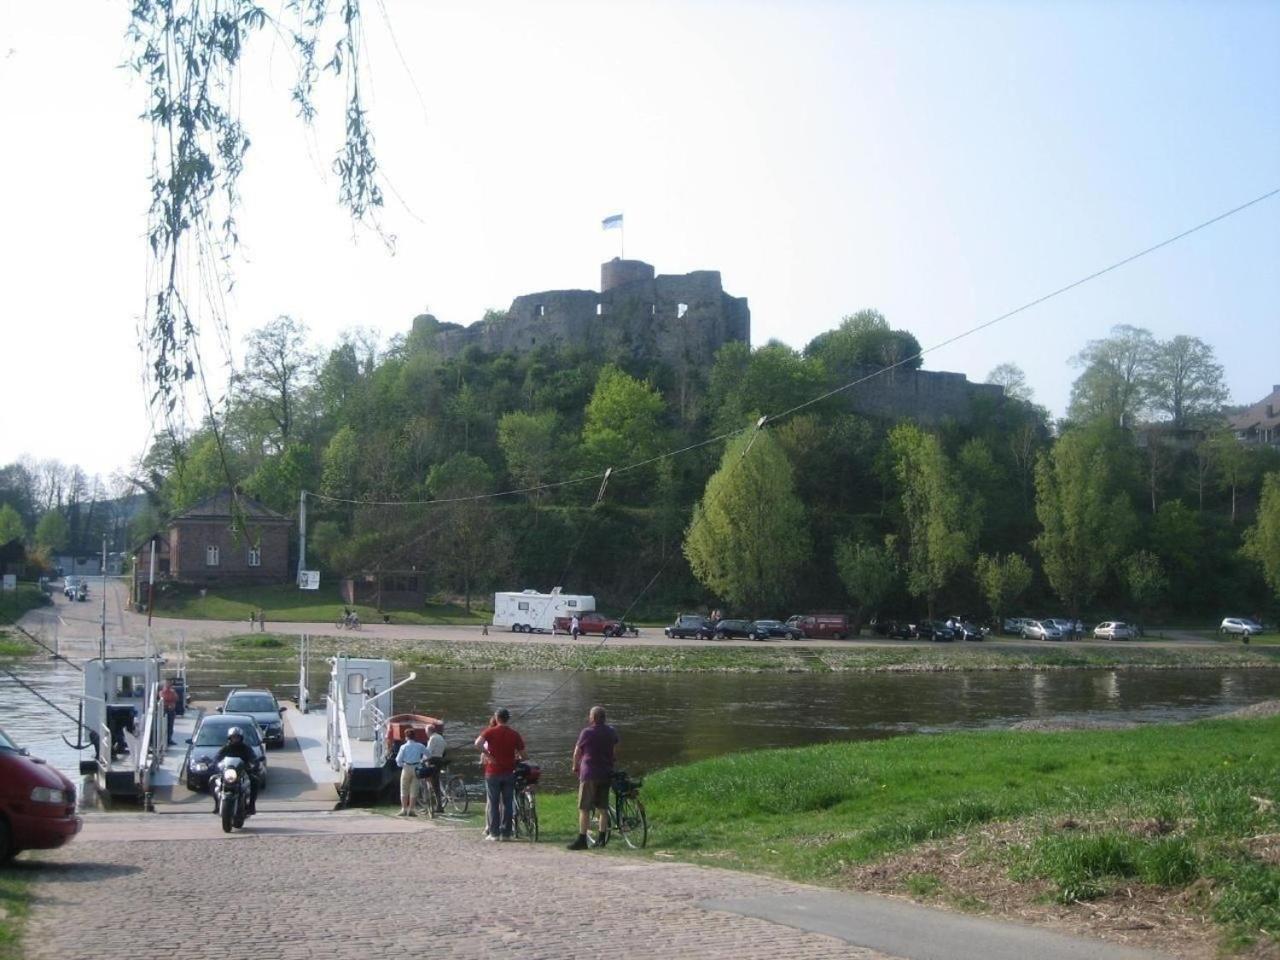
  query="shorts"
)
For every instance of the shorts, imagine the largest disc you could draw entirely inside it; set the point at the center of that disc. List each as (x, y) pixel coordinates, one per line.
(593, 795)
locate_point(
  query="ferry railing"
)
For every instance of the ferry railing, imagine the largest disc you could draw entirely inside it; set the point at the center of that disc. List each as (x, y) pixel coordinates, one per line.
(370, 709)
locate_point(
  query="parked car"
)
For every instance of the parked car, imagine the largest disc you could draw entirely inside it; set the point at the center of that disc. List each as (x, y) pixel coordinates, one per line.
(210, 736)
(687, 625)
(899, 630)
(1012, 626)
(765, 629)
(37, 803)
(964, 630)
(1113, 630)
(1065, 627)
(935, 630)
(265, 710)
(1041, 630)
(732, 630)
(821, 626)
(1240, 626)
(590, 622)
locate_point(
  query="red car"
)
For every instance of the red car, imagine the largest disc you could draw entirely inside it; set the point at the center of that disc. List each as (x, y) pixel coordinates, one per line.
(37, 803)
(590, 623)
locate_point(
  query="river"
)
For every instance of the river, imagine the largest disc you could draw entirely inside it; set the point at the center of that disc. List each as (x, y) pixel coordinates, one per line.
(667, 719)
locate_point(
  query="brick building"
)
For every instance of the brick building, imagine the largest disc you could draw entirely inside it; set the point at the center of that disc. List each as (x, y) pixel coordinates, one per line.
(229, 538)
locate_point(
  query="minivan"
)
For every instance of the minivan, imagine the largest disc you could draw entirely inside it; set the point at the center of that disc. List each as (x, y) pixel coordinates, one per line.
(821, 626)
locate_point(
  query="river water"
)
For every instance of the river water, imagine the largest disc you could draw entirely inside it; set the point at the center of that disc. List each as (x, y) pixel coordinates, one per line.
(667, 719)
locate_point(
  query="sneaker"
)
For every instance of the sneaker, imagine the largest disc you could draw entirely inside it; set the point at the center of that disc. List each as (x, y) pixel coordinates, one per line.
(412, 813)
(603, 839)
(579, 844)
(490, 838)
(403, 813)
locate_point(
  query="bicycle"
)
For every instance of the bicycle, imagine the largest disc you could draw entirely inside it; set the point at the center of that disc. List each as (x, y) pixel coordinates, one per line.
(626, 816)
(525, 815)
(348, 621)
(454, 797)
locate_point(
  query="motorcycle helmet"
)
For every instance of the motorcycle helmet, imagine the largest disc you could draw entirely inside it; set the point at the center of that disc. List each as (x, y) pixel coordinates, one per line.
(235, 732)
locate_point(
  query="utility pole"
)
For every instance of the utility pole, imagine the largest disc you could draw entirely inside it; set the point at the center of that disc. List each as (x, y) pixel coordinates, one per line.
(302, 534)
(102, 643)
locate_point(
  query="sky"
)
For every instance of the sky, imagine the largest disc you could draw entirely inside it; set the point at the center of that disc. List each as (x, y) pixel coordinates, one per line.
(941, 162)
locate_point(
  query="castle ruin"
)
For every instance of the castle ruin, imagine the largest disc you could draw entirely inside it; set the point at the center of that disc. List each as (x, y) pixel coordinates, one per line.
(682, 320)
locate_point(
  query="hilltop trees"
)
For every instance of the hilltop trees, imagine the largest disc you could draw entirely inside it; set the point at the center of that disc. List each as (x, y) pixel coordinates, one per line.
(52, 532)
(1085, 518)
(1002, 579)
(748, 539)
(1262, 542)
(11, 525)
(939, 526)
(868, 572)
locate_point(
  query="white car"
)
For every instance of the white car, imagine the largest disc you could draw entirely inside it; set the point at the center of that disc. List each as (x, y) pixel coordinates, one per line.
(1113, 630)
(1239, 626)
(1040, 630)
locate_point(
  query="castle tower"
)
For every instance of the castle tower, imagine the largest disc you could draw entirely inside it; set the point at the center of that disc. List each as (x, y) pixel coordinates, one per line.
(616, 272)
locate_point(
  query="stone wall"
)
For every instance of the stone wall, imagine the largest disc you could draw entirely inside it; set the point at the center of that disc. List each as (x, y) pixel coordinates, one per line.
(680, 319)
(929, 397)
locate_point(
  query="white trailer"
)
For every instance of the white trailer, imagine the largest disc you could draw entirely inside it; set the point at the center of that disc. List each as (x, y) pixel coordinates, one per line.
(532, 612)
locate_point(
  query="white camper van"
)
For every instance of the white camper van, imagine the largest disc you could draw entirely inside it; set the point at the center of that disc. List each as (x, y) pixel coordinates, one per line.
(532, 612)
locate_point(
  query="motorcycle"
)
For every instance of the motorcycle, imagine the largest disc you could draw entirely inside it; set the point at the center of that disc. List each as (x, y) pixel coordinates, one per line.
(231, 787)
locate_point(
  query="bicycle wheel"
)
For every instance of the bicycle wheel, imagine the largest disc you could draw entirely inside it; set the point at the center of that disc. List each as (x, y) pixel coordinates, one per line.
(633, 825)
(531, 816)
(422, 798)
(455, 795)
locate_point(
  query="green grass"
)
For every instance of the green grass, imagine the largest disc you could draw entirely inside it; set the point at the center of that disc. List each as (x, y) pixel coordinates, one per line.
(13, 604)
(813, 814)
(516, 655)
(285, 603)
(15, 898)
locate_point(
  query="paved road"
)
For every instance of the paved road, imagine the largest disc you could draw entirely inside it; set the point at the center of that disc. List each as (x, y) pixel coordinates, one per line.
(75, 627)
(341, 885)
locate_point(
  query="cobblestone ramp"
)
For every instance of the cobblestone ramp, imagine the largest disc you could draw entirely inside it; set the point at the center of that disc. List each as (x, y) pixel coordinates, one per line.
(331, 889)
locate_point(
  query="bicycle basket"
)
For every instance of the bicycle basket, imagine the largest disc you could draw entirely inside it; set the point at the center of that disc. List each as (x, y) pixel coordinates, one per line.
(528, 772)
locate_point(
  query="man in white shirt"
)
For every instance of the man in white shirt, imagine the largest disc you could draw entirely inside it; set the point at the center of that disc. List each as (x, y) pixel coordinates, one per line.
(435, 761)
(411, 753)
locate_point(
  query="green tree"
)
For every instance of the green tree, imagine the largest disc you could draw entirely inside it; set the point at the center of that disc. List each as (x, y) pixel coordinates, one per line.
(1013, 379)
(864, 340)
(341, 465)
(52, 532)
(1176, 539)
(200, 471)
(1262, 540)
(1114, 387)
(939, 527)
(1234, 466)
(748, 538)
(1187, 382)
(1086, 521)
(11, 526)
(466, 544)
(1002, 579)
(528, 441)
(1145, 579)
(868, 573)
(623, 420)
(279, 368)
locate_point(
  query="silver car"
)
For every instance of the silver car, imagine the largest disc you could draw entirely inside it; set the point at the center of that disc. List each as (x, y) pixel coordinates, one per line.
(1040, 630)
(266, 713)
(1113, 630)
(1241, 626)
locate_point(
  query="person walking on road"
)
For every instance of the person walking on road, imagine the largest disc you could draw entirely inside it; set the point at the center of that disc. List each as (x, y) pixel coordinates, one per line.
(169, 697)
(500, 747)
(411, 753)
(575, 626)
(593, 759)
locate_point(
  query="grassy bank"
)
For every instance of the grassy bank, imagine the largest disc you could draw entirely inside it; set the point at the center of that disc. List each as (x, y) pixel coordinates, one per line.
(1184, 811)
(15, 898)
(285, 603)
(12, 606)
(773, 658)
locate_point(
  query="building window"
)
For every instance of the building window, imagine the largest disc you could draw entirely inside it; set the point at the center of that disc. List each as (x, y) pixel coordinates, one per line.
(681, 310)
(653, 309)
(599, 309)
(211, 556)
(542, 310)
(255, 556)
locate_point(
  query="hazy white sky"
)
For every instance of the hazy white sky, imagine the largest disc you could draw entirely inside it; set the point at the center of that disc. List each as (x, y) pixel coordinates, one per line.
(942, 162)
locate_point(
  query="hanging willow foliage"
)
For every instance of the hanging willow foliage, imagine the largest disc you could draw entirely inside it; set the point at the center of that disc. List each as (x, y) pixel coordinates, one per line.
(189, 52)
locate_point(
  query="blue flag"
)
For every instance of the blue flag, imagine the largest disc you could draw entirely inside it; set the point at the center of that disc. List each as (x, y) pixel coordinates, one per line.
(612, 223)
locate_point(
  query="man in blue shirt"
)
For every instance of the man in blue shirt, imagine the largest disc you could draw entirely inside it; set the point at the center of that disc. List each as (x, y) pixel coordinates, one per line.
(407, 759)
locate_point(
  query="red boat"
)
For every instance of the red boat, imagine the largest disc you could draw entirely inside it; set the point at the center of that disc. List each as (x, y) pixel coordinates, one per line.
(407, 726)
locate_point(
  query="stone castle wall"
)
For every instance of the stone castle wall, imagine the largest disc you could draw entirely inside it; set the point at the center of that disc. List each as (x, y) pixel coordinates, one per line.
(683, 320)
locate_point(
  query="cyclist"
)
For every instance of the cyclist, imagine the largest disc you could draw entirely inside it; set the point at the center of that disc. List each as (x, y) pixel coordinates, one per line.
(434, 763)
(593, 760)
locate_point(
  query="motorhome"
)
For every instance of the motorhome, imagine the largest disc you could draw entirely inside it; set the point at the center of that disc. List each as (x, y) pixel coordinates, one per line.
(532, 612)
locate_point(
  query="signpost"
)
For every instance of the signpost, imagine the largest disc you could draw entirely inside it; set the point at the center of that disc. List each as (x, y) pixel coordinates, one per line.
(308, 579)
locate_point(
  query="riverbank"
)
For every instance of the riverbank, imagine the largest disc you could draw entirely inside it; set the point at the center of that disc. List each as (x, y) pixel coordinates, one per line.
(15, 902)
(1164, 836)
(772, 658)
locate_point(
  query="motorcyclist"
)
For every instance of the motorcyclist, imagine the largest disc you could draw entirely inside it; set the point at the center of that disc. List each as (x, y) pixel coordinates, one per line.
(236, 747)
